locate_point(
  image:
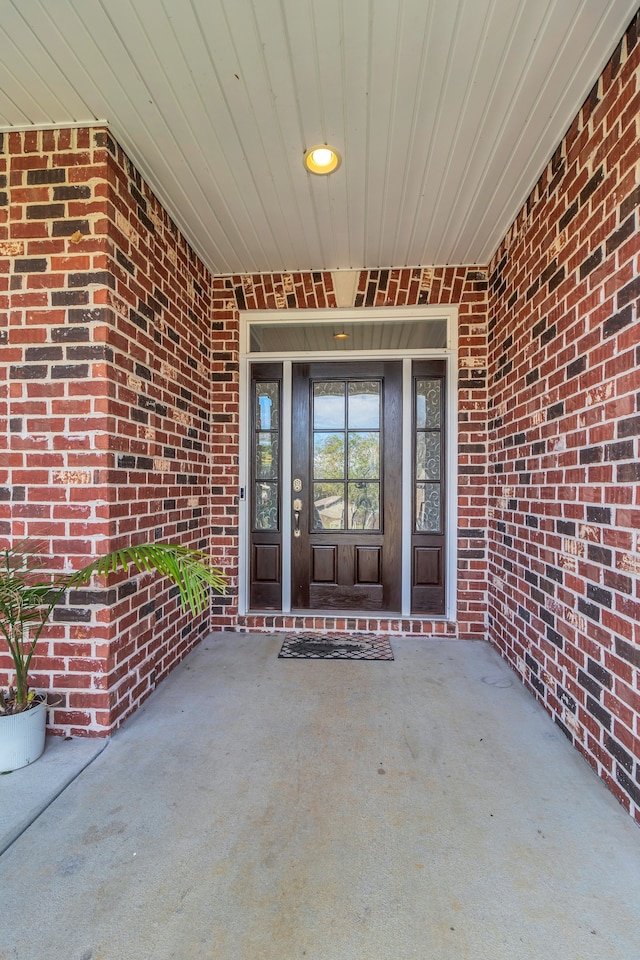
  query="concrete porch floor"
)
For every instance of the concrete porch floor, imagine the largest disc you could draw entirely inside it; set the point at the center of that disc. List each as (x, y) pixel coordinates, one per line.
(265, 809)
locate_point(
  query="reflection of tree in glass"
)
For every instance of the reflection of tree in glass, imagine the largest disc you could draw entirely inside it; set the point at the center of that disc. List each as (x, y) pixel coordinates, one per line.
(364, 456)
(428, 507)
(328, 460)
(266, 506)
(364, 506)
(428, 455)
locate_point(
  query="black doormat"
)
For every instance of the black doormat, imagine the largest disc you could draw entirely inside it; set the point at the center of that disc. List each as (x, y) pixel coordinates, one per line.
(336, 646)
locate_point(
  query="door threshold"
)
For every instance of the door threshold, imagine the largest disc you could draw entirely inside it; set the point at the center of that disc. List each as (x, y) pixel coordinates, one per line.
(348, 614)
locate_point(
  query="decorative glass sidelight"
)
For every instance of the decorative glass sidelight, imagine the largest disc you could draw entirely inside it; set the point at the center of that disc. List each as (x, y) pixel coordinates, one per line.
(428, 404)
(266, 455)
(346, 443)
(428, 455)
(428, 507)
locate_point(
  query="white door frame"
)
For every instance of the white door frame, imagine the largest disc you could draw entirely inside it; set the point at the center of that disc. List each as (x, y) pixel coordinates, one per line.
(364, 315)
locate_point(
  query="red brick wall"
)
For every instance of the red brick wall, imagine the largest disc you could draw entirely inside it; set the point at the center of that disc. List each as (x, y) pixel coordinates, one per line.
(105, 353)
(564, 424)
(464, 286)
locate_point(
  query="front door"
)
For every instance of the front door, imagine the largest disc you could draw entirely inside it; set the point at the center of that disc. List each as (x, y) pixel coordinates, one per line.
(346, 470)
(331, 498)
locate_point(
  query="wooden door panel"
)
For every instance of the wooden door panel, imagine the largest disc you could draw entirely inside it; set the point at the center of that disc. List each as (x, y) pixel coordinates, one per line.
(368, 564)
(265, 576)
(348, 553)
(340, 597)
(428, 593)
(267, 562)
(324, 567)
(427, 566)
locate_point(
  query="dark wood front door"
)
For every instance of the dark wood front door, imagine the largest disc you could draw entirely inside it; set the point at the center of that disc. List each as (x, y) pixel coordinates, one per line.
(346, 486)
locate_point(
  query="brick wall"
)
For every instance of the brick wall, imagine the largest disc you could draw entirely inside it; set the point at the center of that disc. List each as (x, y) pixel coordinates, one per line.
(106, 406)
(564, 426)
(464, 286)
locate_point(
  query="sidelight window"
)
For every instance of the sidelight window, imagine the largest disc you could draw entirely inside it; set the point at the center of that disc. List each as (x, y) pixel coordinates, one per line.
(428, 455)
(266, 447)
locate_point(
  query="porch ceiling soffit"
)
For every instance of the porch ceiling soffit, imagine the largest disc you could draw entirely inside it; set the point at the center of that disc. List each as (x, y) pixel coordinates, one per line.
(445, 113)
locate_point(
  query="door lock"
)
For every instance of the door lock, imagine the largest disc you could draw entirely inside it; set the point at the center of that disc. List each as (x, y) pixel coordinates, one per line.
(297, 485)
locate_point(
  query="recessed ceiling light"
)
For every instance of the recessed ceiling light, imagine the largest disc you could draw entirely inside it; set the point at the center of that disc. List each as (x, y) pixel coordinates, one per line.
(322, 159)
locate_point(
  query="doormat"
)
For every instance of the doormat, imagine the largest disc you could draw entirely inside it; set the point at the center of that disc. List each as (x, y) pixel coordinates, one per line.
(335, 646)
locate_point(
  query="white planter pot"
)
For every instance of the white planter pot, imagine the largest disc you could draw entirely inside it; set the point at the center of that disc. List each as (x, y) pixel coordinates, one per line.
(22, 737)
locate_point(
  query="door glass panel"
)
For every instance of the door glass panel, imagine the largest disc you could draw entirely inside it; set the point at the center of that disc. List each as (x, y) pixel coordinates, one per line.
(267, 406)
(328, 456)
(346, 448)
(428, 507)
(364, 506)
(266, 505)
(329, 405)
(364, 456)
(364, 405)
(267, 456)
(428, 404)
(428, 455)
(328, 506)
(427, 467)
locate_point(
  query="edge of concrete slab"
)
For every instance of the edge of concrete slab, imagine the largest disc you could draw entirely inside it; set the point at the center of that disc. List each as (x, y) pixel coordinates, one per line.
(26, 793)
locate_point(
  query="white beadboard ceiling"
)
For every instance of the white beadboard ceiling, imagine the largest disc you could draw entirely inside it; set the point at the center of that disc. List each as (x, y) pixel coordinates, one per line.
(445, 113)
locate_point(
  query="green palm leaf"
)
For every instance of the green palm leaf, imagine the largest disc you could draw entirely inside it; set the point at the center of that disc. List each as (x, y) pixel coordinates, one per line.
(188, 569)
(27, 596)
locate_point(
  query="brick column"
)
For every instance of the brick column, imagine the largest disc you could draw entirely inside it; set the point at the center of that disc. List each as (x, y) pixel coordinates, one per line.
(106, 396)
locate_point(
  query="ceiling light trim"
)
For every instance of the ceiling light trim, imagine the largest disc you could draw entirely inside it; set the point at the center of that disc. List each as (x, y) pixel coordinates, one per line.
(322, 159)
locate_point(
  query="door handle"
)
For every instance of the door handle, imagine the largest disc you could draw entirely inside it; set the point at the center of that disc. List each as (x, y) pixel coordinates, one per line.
(297, 507)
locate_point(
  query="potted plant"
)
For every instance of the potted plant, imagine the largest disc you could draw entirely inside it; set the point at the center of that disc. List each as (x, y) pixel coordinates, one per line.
(28, 596)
